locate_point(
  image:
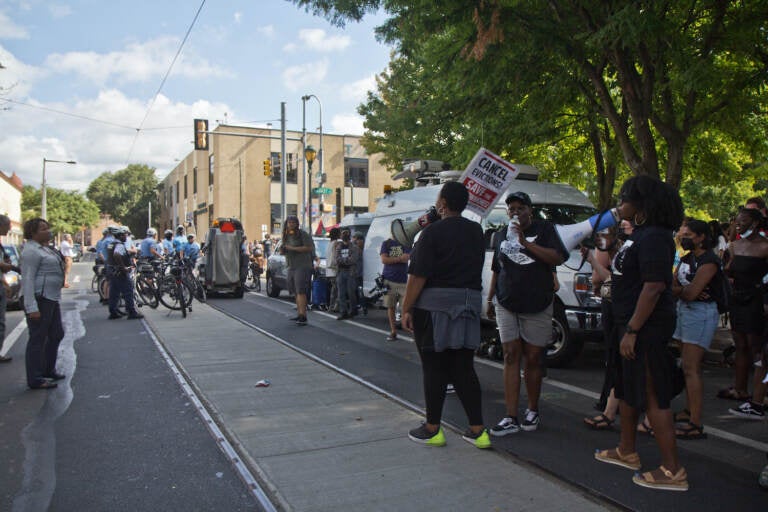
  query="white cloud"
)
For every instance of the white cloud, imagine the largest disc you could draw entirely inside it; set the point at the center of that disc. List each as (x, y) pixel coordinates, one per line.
(139, 62)
(9, 30)
(358, 91)
(305, 75)
(317, 40)
(351, 124)
(238, 17)
(98, 147)
(17, 78)
(266, 31)
(60, 10)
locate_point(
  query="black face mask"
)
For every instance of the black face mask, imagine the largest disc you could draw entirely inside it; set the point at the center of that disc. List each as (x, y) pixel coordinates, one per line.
(345, 238)
(687, 244)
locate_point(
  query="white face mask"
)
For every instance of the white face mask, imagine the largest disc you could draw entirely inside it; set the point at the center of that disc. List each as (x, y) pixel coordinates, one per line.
(601, 244)
(747, 233)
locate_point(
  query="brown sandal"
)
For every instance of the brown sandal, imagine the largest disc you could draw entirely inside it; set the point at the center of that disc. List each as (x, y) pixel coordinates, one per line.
(663, 479)
(645, 427)
(629, 461)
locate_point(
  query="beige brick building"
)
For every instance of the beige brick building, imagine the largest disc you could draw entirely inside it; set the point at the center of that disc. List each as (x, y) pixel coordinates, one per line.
(228, 180)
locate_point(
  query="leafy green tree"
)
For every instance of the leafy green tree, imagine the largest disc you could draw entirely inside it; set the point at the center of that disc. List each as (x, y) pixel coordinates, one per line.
(126, 194)
(635, 84)
(68, 211)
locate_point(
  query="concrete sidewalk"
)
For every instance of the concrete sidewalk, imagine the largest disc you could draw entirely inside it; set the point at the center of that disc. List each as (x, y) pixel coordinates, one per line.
(319, 441)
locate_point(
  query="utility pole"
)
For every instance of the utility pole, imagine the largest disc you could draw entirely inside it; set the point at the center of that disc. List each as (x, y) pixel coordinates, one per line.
(282, 163)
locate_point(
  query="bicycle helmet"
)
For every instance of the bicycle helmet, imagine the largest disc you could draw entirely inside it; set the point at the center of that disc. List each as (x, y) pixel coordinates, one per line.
(168, 232)
(151, 232)
(179, 229)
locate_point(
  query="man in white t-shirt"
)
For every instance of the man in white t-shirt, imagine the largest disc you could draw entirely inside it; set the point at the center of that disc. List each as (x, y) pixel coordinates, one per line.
(67, 249)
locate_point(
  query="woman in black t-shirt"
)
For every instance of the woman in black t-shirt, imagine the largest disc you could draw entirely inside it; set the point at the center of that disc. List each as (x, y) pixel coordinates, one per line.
(644, 315)
(442, 307)
(697, 316)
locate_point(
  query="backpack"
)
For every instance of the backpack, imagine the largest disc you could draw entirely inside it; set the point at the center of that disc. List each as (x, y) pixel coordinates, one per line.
(721, 291)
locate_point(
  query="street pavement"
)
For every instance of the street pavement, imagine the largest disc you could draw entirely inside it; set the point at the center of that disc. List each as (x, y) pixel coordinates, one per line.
(122, 433)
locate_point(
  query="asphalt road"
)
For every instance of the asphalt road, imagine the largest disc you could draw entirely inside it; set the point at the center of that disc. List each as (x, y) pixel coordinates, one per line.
(117, 434)
(722, 469)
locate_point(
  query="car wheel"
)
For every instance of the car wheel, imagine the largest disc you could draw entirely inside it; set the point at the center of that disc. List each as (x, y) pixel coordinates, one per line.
(272, 290)
(564, 347)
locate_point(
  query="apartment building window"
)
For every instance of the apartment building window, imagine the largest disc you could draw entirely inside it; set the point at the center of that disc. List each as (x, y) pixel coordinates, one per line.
(356, 171)
(194, 180)
(185, 186)
(211, 161)
(177, 192)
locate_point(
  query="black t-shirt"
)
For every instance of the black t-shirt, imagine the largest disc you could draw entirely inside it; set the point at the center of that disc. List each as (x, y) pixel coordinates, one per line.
(526, 285)
(450, 254)
(647, 256)
(689, 264)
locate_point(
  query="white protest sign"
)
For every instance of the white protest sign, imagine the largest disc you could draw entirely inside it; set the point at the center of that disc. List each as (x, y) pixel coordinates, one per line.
(487, 177)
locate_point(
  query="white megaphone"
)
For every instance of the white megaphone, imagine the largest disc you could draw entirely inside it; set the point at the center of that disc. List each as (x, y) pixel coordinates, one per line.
(405, 232)
(573, 234)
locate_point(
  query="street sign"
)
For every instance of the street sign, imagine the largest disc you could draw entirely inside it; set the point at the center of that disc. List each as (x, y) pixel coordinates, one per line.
(321, 190)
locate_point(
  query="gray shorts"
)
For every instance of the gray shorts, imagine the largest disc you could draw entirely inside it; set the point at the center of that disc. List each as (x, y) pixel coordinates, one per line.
(396, 293)
(533, 328)
(299, 280)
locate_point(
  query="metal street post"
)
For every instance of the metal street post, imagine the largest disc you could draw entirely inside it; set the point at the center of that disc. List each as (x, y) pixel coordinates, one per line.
(43, 193)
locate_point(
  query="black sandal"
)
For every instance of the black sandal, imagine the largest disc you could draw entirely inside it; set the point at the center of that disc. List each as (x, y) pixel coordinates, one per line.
(690, 431)
(683, 416)
(599, 422)
(645, 428)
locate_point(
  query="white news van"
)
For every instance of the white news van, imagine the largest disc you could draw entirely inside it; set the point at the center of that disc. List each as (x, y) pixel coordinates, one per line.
(576, 308)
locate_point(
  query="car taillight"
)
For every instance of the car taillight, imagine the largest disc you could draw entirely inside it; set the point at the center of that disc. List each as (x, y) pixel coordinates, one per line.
(582, 288)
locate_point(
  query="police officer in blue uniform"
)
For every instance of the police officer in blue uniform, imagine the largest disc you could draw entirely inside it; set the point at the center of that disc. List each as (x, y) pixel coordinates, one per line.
(191, 249)
(149, 247)
(118, 268)
(179, 241)
(168, 243)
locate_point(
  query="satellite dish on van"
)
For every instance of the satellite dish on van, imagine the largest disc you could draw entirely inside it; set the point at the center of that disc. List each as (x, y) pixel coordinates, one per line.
(404, 232)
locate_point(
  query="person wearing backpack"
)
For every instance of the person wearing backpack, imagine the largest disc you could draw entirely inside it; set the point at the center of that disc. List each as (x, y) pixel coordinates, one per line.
(347, 259)
(696, 285)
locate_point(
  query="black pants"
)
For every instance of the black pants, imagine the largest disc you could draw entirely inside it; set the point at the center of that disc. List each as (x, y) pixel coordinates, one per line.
(439, 369)
(45, 334)
(120, 285)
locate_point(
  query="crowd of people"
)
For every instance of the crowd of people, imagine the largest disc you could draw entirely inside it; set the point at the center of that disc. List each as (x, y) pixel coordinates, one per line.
(664, 280)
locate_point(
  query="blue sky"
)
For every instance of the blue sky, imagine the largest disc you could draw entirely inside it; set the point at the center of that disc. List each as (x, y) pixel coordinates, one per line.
(105, 60)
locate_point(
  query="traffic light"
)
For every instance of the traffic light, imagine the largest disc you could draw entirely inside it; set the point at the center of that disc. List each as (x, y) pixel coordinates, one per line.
(267, 167)
(201, 135)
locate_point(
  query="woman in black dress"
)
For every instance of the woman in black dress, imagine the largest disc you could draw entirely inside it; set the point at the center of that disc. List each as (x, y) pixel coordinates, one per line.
(747, 264)
(644, 316)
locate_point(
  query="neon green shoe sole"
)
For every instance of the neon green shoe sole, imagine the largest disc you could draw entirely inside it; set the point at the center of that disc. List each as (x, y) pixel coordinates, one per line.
(481, 440)
(423, 436)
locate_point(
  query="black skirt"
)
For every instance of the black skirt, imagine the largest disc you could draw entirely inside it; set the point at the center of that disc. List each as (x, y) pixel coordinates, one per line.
(651, 352)
(746, 313)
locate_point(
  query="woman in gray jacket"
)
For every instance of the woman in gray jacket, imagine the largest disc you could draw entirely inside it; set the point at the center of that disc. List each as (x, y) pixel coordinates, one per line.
(42, 271)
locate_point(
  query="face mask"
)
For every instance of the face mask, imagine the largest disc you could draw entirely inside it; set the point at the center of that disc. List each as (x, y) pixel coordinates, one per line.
(747, 233)
(345, 238)
(687, 244)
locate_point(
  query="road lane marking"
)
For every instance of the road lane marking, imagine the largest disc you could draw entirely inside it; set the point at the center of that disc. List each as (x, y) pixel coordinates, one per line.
(13, 337)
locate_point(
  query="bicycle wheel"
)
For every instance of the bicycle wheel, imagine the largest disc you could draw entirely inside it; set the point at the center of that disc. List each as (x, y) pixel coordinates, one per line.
(173, 296)
(250, 281)
(95, 283)
(103, 288)
(200, 293)
(146, 292)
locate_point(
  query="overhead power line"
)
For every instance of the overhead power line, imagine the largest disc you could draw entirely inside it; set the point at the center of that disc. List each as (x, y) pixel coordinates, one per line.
(70, 114)
(162, 82)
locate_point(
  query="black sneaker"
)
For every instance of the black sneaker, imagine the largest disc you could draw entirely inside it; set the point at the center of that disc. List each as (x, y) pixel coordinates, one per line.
(748, 410)
(135, 316)
(302, 320)
(449, 388)
(294, 318)
(531, 421)
(507, 425)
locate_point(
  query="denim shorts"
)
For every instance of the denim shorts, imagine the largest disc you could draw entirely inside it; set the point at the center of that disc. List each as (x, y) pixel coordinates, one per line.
(696, 322)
